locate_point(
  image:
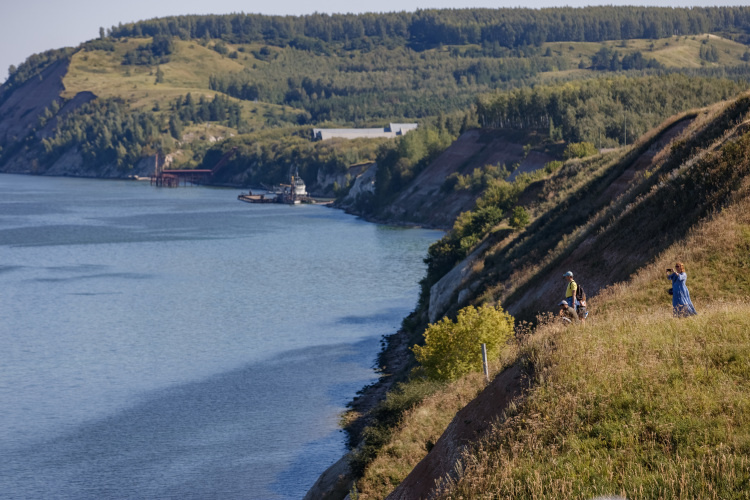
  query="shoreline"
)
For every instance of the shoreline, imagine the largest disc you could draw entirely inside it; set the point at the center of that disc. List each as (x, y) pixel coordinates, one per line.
(393, 361)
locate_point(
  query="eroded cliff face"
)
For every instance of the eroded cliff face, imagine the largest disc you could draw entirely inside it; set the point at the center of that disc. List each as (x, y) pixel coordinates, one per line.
(427, 201)
(20, 112)
(20, 115)
(455, 288)
(20, 136)
(362, 187)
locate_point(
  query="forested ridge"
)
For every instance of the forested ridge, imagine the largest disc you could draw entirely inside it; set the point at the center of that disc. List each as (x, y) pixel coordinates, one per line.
(601, 74)
(602, 111)
(426, 28)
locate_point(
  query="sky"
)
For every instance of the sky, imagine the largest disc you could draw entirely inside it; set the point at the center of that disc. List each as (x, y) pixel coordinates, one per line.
(31, 26)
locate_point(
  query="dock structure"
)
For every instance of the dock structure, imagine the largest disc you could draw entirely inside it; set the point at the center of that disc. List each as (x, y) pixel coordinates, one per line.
(194, 176)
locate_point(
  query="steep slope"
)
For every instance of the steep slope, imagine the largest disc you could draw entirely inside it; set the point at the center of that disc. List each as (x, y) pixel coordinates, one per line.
(638, 403)
(428, 201)
(600, 218)
(42, 130)
(690, 203)
(21, 110)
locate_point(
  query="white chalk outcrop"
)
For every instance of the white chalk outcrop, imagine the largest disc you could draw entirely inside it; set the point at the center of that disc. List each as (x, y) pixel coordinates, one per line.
(363, 183)
(457, 280)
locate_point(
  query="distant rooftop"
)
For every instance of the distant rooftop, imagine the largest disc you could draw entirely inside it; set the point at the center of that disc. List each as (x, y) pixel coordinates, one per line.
(392, 130)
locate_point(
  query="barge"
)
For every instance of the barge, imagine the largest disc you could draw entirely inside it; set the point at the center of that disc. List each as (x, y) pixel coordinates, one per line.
(293, 193)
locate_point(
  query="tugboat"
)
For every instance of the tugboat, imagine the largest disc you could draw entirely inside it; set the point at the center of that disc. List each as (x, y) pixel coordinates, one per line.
(299, 190)
(293, 193)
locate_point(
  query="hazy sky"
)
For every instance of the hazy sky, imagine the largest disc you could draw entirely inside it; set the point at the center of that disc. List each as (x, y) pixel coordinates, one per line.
(30, 26)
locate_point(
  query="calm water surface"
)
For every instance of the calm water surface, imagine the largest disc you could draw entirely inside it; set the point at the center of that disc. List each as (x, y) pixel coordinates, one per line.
(177, 343)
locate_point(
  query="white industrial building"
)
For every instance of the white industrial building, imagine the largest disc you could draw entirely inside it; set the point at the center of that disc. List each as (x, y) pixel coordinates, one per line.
(392, 130)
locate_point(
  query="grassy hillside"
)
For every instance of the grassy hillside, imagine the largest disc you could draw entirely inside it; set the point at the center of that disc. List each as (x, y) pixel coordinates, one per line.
(672, 52)
(187, 71)
(637, 402)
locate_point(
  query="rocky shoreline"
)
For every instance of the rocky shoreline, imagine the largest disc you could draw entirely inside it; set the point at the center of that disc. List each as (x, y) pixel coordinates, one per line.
(394, 364)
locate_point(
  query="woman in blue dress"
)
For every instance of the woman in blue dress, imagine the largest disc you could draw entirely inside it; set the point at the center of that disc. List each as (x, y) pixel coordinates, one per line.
(681, 302)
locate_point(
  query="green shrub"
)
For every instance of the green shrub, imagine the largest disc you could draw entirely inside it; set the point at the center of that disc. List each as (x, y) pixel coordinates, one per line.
(580, 150)
(553, 166)
(454, 349)
(519, 219)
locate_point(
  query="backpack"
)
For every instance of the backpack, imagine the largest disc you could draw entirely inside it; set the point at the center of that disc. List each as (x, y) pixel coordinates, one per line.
(580, 293)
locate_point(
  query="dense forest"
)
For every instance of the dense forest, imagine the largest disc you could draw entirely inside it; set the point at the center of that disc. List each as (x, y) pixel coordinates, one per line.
(106, 131)
(429, 28)
(602, 111)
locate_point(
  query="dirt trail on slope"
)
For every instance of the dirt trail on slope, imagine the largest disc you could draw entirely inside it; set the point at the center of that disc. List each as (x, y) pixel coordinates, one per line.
(468, 426)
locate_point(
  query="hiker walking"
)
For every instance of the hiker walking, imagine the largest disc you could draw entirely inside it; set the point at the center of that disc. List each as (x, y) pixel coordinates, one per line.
(682, 306)
(570, 291)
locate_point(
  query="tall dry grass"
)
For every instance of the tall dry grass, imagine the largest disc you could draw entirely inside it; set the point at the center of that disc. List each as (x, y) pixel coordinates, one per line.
(637, 403)
(419, 429)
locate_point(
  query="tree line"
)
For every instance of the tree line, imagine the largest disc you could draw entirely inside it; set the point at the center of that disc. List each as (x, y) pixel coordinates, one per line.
(383, 84)
(105, 131)
(509, 27)
(603, 111)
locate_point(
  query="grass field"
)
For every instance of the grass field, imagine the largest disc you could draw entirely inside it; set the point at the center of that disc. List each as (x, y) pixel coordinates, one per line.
(636, 403)
(187, 71)
(674, 52)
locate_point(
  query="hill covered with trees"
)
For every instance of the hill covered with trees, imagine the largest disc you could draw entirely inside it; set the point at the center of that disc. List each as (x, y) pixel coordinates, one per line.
(261, 83)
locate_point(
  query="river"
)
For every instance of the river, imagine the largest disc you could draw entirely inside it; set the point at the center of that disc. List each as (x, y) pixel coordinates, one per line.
(178, 343)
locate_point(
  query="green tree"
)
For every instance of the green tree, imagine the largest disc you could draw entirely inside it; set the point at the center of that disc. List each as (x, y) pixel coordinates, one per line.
(175, 127)
(453, 349)
(519, 219)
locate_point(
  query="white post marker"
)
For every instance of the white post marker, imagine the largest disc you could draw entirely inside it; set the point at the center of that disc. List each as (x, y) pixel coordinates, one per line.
(484, 362)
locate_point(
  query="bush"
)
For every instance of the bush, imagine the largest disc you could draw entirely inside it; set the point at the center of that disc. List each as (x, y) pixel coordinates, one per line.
(580, 150)
(454, 349)
(552, 166)
(519, 219)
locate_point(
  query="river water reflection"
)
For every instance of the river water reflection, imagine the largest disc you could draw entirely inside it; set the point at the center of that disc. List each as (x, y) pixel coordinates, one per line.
(177, 343)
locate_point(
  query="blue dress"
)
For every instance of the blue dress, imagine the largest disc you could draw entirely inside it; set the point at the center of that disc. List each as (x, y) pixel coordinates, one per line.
(681, 302)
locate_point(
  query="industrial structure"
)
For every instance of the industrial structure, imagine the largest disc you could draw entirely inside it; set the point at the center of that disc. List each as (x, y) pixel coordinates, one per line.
(392, 130)
(175, 177)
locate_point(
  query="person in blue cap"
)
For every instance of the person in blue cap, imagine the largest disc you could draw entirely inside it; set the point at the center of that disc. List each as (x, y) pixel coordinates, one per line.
(570, 291)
